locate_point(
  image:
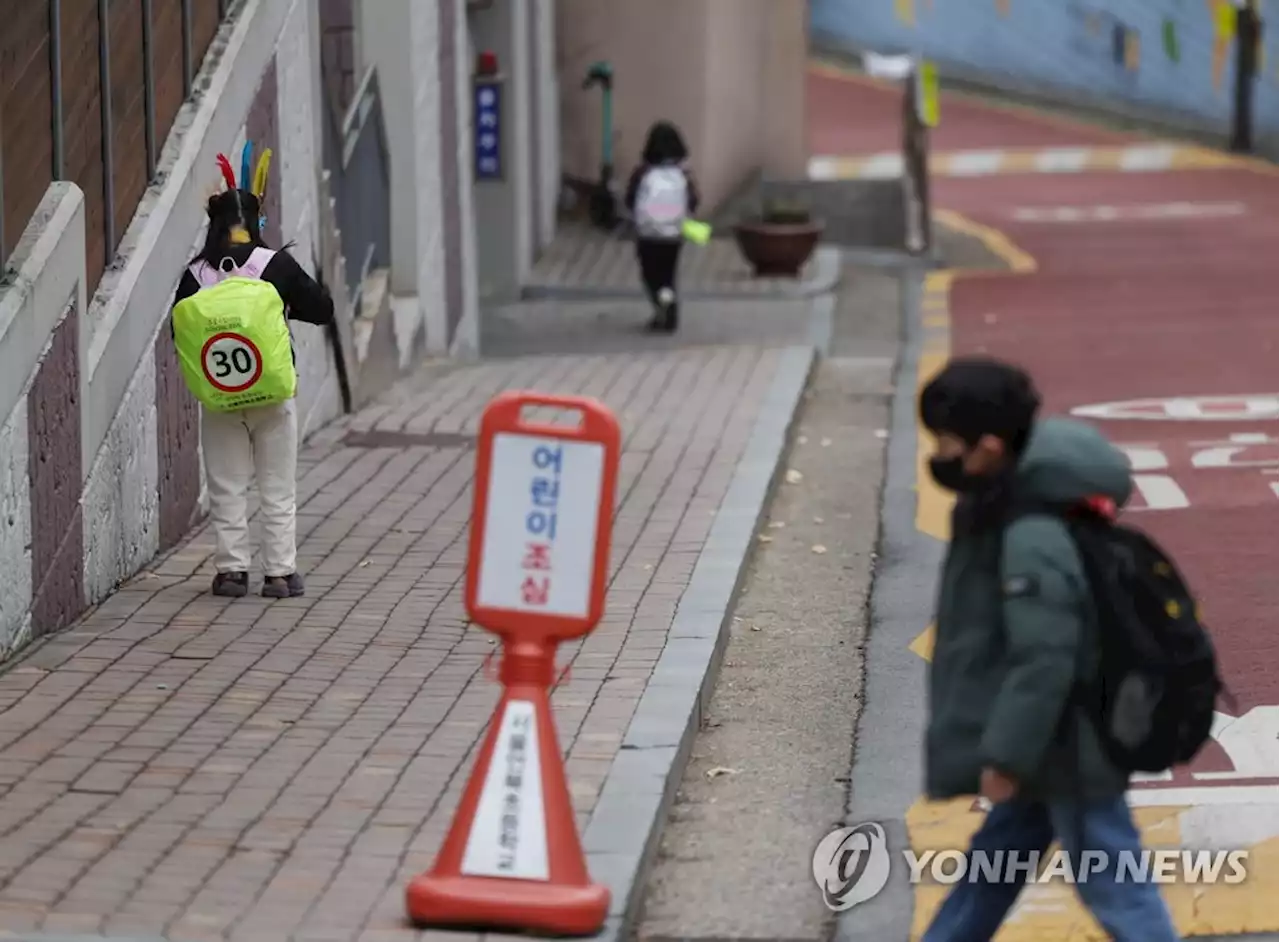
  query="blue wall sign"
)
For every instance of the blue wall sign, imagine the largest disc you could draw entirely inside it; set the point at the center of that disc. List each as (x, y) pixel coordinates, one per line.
(488, 123)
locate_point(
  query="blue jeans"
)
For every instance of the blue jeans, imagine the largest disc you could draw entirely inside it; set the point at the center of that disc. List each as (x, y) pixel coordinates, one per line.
(1129, 911)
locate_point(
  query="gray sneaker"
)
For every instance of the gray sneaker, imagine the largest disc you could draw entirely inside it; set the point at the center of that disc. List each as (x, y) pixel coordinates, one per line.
(231, 585)
(283, 587)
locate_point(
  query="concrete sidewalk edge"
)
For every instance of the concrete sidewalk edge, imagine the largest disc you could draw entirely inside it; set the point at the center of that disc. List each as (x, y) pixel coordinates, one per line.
(626, 826)
(885, 774)
(825, 275)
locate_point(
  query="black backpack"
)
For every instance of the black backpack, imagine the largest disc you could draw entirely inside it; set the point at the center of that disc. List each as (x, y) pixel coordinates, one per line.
(1152, 698)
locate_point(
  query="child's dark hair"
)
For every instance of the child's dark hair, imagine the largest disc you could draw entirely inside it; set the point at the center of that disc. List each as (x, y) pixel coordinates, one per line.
(976, 396)
(664, 145)
(226, 210)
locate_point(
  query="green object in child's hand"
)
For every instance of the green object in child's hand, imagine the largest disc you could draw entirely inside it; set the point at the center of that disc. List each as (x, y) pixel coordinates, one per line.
(696, 232)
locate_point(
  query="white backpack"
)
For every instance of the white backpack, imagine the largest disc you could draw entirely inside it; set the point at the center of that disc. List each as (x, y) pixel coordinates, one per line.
(662, 203)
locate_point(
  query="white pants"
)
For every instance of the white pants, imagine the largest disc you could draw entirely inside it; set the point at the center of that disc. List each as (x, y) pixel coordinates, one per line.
(259, 443)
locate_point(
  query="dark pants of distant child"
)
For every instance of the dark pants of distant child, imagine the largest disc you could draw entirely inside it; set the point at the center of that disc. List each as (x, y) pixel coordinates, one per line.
(659, 262)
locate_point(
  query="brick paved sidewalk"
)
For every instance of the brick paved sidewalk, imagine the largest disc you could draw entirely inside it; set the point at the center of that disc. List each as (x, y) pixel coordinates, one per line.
(584, 262)
(195, 768)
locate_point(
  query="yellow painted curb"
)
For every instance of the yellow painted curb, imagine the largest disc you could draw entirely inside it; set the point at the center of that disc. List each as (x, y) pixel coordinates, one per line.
(933, 504)
(1053, 913)
(922, 647)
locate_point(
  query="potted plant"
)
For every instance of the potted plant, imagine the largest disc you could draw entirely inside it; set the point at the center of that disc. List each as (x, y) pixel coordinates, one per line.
(779, 242)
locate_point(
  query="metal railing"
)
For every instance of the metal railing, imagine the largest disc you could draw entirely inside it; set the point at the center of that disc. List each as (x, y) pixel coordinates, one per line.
(355, 155)
(107, 67)
(915, 170)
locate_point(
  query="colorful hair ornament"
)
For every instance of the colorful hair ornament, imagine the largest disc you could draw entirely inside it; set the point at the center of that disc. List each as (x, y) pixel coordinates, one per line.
(260, 175)
(227, 173)
(246, 161)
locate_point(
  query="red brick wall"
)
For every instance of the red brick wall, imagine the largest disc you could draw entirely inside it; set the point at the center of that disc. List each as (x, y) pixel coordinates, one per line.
(166, 62)
(82, 126)
(26, 136)
(26, 107)
(128, 112)
(337, 52)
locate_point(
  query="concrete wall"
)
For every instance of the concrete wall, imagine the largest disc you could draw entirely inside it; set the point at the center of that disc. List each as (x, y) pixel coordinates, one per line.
(1178, 67)
(461, 267)
(504, 209)
(385, 40)
(98, 435)
(419, 85)
(729, 73)
(547, 121)
(419, 50)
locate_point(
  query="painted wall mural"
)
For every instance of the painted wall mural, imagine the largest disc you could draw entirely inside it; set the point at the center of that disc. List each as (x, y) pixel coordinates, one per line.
(1172, 55)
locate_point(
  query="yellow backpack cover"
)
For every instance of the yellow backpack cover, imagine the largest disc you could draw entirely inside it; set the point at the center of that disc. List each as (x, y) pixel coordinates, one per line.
(232, 337)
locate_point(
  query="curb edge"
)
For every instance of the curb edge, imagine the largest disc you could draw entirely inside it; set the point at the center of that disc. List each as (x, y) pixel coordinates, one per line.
(626, 826)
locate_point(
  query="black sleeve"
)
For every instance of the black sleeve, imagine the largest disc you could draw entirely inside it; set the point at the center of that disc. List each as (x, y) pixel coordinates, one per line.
(305, 299)
(633, 187)
(187, 286)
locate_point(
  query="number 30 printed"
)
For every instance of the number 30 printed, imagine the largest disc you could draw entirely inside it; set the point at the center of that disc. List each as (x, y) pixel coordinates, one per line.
(240, 361)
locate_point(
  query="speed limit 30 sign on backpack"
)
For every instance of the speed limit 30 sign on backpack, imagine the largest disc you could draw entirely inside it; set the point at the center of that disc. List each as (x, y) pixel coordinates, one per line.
(232, 337)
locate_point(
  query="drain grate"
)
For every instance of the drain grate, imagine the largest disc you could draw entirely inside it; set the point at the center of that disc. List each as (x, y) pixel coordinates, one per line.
(380, 438)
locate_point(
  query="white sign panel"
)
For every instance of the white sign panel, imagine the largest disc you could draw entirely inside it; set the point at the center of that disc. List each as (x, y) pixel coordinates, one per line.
(539, 547)
(882, 66)
(509, 831)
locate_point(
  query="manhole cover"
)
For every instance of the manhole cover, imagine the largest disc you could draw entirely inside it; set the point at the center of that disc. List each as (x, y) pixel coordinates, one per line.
(378, 438)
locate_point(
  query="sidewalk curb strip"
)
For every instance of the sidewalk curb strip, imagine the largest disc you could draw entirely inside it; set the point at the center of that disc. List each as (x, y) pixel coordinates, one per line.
(823, 278)
(822, 314)
(623, 834)
(892, 681)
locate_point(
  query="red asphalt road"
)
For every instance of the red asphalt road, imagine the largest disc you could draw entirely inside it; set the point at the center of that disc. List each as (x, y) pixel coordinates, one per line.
(1153, 309)
(1122, 310)
(852, 115)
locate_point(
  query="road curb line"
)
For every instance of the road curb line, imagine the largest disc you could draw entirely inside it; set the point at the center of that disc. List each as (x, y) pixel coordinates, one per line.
(626, 826)
(915, 515)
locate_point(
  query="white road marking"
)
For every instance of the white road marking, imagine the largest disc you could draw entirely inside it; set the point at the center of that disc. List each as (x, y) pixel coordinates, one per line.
(974, 163)
(1132, 213)
(1160, 492)
(1262, 406)
(1155, 157)
(1062, 159)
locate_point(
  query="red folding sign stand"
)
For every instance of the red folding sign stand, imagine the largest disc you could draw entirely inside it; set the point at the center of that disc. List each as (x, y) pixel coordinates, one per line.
(536, 571)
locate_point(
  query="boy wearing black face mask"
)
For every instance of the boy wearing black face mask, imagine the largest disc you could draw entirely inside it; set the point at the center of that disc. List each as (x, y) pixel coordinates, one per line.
(1013, 620)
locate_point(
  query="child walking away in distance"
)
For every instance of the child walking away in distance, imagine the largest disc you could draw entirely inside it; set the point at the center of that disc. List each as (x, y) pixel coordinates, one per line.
(661, 195)
(230, 329)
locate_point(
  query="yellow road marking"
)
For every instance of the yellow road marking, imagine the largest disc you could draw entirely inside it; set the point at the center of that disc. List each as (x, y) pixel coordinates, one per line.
(922, 647)
(1053, 913)
(933, 504)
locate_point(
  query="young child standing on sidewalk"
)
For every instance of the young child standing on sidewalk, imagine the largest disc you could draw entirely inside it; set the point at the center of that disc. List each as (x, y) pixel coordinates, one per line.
(661, 194)
(236, 351)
